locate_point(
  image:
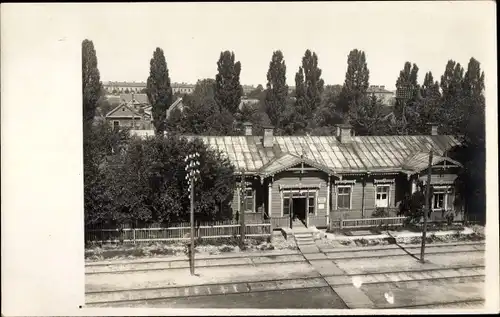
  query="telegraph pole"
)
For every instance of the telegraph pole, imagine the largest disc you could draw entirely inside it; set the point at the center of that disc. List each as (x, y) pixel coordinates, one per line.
(192, 164)
(427, 207)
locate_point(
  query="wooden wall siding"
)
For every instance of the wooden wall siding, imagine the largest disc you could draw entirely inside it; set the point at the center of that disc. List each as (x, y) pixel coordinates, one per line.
(308, 179)
(437, 178)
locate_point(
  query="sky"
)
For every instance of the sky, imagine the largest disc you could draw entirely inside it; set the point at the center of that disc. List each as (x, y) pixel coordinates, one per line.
(192, 36)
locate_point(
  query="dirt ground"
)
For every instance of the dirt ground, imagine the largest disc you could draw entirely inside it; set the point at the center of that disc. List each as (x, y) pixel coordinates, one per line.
(477, 235)
(206, 247)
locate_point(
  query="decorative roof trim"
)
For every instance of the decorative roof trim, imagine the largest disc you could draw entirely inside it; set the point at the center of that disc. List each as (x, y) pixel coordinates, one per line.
(384, 181)
(345, 182)
(299, 186)
(297, 160)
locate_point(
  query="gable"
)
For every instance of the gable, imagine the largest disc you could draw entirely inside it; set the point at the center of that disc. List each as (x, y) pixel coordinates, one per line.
(122, 111)
(293, 163)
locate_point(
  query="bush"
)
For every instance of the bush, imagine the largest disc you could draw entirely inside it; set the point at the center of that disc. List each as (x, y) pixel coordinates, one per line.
(380, 213)
(226, 248)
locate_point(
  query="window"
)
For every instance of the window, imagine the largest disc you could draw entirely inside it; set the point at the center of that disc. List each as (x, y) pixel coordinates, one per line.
(382, 196)
(116, 124)
(344, 197)
(438, 201)
(311, 205)
(286, 205)
(248, 200)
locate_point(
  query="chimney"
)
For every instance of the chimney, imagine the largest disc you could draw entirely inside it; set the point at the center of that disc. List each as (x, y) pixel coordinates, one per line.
(268, 138)
(434, 128)
(344, 133)
(248, 128)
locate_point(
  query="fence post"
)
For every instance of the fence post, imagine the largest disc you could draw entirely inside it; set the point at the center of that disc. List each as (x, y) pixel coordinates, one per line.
(341, 220)
(133, 234)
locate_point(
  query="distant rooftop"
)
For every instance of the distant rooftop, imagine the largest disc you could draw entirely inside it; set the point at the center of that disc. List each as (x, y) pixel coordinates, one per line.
(378, 89)
(142, 84)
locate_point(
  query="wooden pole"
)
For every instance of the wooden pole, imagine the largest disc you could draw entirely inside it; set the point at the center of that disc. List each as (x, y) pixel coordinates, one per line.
(242, 212)
(191, 266)
(427, 207)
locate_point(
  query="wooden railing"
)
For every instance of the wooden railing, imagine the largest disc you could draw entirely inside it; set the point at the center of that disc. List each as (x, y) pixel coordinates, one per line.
(362, 214)
(371, 222)
(280, 222)
(180, 232)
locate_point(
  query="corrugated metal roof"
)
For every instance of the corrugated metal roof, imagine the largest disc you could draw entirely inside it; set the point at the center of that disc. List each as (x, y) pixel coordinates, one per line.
(364, 153)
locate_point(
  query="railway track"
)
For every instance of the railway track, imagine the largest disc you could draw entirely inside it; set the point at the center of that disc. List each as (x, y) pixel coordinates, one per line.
(442, 275)
(474, 303)
(238, 261)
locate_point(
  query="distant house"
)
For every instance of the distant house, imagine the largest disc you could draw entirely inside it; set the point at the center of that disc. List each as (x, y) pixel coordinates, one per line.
(112, 87)
(176, 105)
(248, 102)
(182, 88)
(315, 179)
(381, 93)
(130, 115)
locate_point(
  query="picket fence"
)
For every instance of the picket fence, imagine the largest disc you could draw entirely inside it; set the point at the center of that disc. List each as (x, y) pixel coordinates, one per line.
(177, 232)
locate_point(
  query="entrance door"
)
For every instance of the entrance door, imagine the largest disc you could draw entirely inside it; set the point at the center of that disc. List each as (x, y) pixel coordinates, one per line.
(299, 209)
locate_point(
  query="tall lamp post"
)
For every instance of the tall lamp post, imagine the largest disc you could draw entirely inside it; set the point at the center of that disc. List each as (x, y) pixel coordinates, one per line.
(193, 174)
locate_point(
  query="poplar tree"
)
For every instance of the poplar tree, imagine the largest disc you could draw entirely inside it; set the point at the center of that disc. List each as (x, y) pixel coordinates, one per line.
(308, 91)
(91, 82)
(228, 90)
(159, 90)
(452, 101)
(356, 83)
(277, 89)
(407, 92)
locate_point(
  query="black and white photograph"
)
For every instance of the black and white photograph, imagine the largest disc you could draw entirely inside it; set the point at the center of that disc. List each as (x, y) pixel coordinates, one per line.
(286, 156)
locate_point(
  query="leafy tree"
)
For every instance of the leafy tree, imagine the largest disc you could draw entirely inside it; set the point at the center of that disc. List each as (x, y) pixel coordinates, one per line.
(101, 143)
(471, 183)
(413, 206)
(368, 117)
(91, 83)
(356, 83)
(159, 90)
(204, 89)
(228, 90)
(277, 89)
(427, 106)
(257, 93)
(147, 183)
(328, 114)
(201, 114)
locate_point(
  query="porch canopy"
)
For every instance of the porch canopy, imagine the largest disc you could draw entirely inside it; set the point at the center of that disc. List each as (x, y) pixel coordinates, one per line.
(419, 161)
